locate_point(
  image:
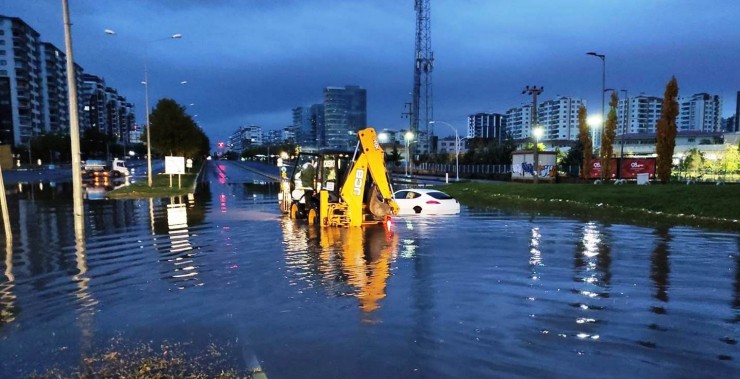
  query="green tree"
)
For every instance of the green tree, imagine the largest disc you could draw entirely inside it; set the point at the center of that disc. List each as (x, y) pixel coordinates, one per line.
(574, 158)
(173, 132)
(666, 132)
(584, 137)
(395, 156)
(731, 159)
(95, 144)
(694, 163)
(51, 147)
(607, 137)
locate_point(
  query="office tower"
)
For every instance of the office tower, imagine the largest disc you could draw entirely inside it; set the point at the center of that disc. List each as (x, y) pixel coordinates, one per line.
(345, 112)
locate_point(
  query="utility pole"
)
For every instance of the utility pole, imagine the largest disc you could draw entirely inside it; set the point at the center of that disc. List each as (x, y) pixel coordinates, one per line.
(534, 91)
(74, 130)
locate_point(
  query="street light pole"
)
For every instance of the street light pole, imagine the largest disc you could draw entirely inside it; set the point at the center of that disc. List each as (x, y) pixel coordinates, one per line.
(148, 133)
(407, 138)
(534, 91)
(406, 166)
(624, 129)
(146, 99)
(457, 148)
(603, 89)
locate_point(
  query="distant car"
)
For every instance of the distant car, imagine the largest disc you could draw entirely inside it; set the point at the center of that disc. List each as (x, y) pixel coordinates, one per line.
(425, 201)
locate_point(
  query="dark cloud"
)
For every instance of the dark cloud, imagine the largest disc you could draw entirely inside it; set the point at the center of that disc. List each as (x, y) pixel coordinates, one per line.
(250, 62)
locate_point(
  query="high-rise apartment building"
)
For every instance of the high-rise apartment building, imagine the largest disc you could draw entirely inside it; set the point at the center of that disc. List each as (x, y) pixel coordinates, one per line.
(701, 112)
(345, 112)
(34, 92)
(559, 118)
(642, 113)
(55, 108)
(519, 122)
(244, 137)
(308, 124)
(20, 60)
(486, 125)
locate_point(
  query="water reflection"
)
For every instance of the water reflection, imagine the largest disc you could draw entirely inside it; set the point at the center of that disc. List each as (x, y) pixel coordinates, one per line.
(659, 268)
(8, 308)
(346, 261)
(592, 263)
(736, 292)
(535, 254)
(178, 250)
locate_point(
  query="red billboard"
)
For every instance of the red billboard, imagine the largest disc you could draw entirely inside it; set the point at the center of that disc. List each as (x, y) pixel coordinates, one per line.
(633, 166)
(630, 168)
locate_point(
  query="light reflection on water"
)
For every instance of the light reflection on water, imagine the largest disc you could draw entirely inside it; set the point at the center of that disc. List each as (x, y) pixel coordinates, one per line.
(353, 261)
(498, 294)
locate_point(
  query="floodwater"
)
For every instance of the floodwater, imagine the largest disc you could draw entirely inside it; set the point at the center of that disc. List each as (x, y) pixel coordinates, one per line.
(478, 295)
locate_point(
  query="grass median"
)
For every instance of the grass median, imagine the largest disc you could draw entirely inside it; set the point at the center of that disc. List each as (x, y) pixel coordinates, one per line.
(705, 205)
(160, 186)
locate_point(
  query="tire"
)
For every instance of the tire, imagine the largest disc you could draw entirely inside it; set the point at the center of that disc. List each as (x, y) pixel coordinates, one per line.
(313, 217)
(293, 211)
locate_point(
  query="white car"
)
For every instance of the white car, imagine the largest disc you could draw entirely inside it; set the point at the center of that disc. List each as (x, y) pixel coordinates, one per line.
(425, 201)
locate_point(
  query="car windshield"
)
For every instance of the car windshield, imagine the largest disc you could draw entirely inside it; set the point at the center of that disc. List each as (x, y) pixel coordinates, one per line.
(439, 195)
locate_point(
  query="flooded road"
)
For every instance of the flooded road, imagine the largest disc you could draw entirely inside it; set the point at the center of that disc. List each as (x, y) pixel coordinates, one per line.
(478, 295)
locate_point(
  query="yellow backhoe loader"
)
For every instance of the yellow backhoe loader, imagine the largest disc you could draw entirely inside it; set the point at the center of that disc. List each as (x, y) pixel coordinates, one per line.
(335, 188)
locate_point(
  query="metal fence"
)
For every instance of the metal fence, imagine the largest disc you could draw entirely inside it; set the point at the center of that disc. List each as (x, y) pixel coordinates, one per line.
(503, 172)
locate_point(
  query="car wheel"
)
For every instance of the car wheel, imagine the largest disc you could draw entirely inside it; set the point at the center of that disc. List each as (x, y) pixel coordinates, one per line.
(417, 209)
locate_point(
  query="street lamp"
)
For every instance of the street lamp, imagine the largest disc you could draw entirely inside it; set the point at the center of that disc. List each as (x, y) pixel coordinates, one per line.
(603, 83)
(594, 123)
(537, 133)
(146, 98)
(457, 148)
(408, 137)
(624, 129)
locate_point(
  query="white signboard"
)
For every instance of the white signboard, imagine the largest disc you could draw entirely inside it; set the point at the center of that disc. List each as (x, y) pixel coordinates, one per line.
(174, 165)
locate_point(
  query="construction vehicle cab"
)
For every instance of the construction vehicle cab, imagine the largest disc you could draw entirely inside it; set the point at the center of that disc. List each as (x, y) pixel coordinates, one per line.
(340, 188)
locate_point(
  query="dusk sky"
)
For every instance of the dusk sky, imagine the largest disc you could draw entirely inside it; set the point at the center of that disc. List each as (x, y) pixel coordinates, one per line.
(249, 62)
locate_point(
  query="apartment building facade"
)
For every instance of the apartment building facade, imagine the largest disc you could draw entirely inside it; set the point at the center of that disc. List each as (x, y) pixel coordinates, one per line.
(486, 125)
(34, 94)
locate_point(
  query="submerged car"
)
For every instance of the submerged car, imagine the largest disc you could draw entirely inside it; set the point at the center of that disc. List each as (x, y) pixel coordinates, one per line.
(425, 201)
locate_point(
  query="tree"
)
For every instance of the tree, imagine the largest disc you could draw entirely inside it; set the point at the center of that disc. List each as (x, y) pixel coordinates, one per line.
(95, 144)
(173, 132)
(666, 132)
(54, 147)
(694, 162)
(584, 137)
(394, 156)
(574, 158)
(607, 137)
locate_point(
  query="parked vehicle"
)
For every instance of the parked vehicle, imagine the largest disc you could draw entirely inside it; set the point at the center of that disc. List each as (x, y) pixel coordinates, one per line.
(94, 168)
(425, 201)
